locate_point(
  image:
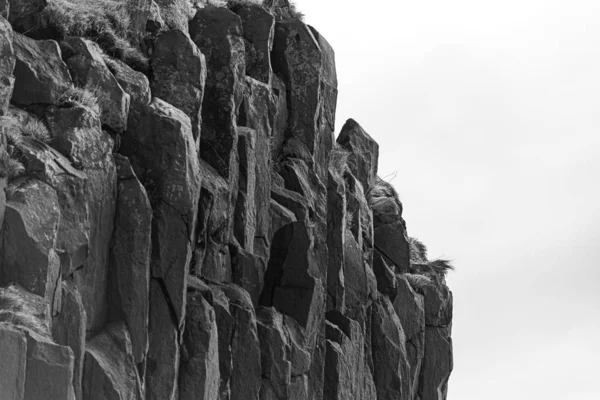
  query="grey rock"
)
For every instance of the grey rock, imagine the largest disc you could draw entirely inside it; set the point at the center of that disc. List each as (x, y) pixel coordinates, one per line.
(40, 73)
(179, 74)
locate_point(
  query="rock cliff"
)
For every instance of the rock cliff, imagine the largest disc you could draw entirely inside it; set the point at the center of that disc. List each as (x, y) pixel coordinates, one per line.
(178, 220)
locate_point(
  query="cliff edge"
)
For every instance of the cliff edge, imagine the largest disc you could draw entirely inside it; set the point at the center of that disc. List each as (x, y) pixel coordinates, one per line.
(178, 221)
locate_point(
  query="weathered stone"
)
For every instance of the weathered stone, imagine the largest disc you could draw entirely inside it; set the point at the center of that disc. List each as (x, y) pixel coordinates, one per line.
(259, 29)
(40, 73)
(390, 359)
(133, 82)
(280, 122)
(248, 271)
(176, 13)
(290, 283)
(257, 111)
(359, 279)
(68, 329)
(328, 94)
(437, 364)
(215, 226)
(280, 216)
(51, 167)
(49, 373)
(78, 133)
(139, 12)
(75, 133)
(218, 33)
(161, 148)
(392, 242)
(292, 201)
(410, 308)
(245, 211)
(347, 373)
(438, 304)
(361, 223)
(162, 366)
(29, 240)
(386, 279)
(13, 353)
(89, 71)
(336, 237)
(179, 74)
(109, 371)
(297, 57)
(364, 152)
(276, 367)
(129, 276)
(199, 372)
(239, 348)
(7, 64)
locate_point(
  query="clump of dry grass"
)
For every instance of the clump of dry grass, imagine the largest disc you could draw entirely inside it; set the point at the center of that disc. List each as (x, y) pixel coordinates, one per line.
(418, 281)
(15, 311)
(418, 250)
(19, 124)
(10, 168)
(107, 22)
(235, 5)
(383, 200)
(74, 95)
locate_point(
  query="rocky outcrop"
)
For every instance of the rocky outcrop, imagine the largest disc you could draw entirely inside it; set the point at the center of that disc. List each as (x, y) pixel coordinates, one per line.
(194, 231)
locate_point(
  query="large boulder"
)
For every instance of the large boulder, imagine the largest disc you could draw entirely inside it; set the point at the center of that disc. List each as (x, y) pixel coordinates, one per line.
(91, 202)
(89, 71)
(391, 241)
(215, 226)
(18, 10)
(239, 348)
(257, 111)
(337, 223)
(259, 28)
(49, 373)
(41, 76)
(244, 228)
(129, 275)
(410, 308)
(364, 152)
(437, 364)
(218, 33)
(110, 372)
(161, 148)
(162, 366)
(390, 359)
(179, 74)
(199, 374)
(29, 255)
(292, 284)
(7, 64)
(247, 271)
(13, 353)
(347, 373)
(135, 83)
(68, 329)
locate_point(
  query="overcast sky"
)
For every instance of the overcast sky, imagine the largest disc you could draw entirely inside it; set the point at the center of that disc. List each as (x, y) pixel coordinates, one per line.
(487, 114)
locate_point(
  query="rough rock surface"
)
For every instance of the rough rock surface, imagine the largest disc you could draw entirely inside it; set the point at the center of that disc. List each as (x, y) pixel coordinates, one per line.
(7, 64)
(40, 73)
(192, 239)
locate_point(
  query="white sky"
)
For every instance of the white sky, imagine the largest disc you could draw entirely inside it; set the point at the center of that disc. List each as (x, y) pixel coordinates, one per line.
(489, 114)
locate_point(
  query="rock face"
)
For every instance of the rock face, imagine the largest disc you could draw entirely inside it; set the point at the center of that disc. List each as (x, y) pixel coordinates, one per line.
(198, 234)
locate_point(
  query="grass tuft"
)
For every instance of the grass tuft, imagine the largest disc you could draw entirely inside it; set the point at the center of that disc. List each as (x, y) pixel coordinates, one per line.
(107, 22)
(383, 200)
(74, 95)
(418, 251)
(15, 311)
(283, 12)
